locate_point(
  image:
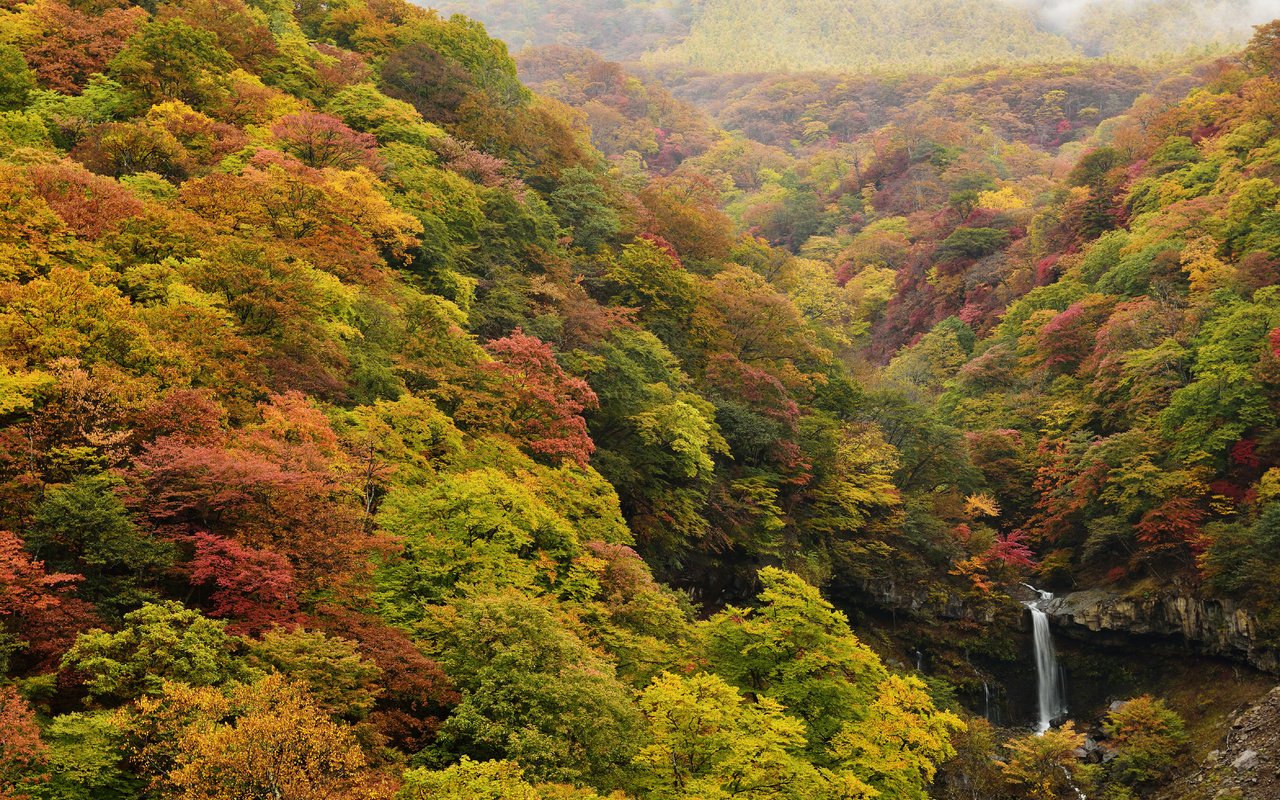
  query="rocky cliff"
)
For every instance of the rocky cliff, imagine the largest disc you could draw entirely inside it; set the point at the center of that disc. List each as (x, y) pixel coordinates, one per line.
(1212, 627)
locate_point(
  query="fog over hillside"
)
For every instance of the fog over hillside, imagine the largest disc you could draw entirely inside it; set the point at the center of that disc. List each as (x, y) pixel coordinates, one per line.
(1166, 23)
(869, 35)
(1226, 15)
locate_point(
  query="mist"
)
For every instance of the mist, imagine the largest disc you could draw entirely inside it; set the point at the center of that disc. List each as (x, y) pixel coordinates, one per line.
(1204, 20)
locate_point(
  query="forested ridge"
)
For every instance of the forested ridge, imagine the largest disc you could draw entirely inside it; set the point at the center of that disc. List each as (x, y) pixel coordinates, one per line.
(374, 424)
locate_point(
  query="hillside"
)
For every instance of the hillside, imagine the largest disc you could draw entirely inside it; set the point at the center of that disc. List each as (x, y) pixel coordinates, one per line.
(350, 401)
(871, 36)
(861, 36)
(380, 419)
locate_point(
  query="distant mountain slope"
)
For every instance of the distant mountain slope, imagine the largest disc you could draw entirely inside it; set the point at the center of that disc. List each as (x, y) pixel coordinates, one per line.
(1142, 28)
(869, 35)
(862, 34)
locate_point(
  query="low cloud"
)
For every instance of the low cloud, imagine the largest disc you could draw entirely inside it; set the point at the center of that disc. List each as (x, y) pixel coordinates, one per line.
(1233, 17)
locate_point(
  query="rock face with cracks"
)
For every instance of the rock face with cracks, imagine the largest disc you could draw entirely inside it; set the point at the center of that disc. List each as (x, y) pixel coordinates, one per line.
(1212, 627)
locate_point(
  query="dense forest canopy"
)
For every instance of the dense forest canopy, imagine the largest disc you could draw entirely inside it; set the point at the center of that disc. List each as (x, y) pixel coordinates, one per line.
(382, 416)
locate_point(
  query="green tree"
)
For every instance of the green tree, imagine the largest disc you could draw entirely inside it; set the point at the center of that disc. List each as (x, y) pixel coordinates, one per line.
(796, 648)
(83, 527)
(16, 80)
(657, 440)
(469, 780)
(708, 742)
(85, 760)
(1226, 396)
(157, 643)
(649, 279)
(479, 530)
(532, 692)
(170, 60)
(583, 207)
(973, 243)
(338, 679)
(897, 746)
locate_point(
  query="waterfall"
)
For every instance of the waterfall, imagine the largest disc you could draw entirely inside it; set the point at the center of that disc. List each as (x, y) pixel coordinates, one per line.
(1048, 674)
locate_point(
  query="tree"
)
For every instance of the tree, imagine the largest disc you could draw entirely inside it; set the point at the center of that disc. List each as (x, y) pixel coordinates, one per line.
(330, 668)
(1146, 737)
(649, 279)
(158, 643)
(27, 587)
(86, 760)
(37, 614)
(524, 393)
(22, 752)
(532, 692)
(1207, 416)
(391, 121)
(118, 149)
(246, 37)
(974, 769)
(414, 693)
(477, 530)
(686, 212)
(16, 81)
(170, 60)
(972, 243)
(469, 780)
(1042, 766)
(658, 439)
(74, 45)
(322, 141)
(255, 589)
(583, 207)
(276, 485)
(90, 205)
(1263, 52)
(266, 739)
(84, 527)
(796, 648)
(465, 42)
(1065, 341)
(417, 74)
(707, 741)
(899, 744)
(747, 317)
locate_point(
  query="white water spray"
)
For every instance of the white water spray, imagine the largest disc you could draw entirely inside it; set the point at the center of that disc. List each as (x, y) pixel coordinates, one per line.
(1052, 700)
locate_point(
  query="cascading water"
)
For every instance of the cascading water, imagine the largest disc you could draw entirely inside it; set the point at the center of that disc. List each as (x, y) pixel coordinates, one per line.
(1049, 683)
(991, 711)
(1052, 700)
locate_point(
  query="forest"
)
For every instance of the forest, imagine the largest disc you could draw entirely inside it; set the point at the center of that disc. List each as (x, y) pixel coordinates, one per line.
(385, 416)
